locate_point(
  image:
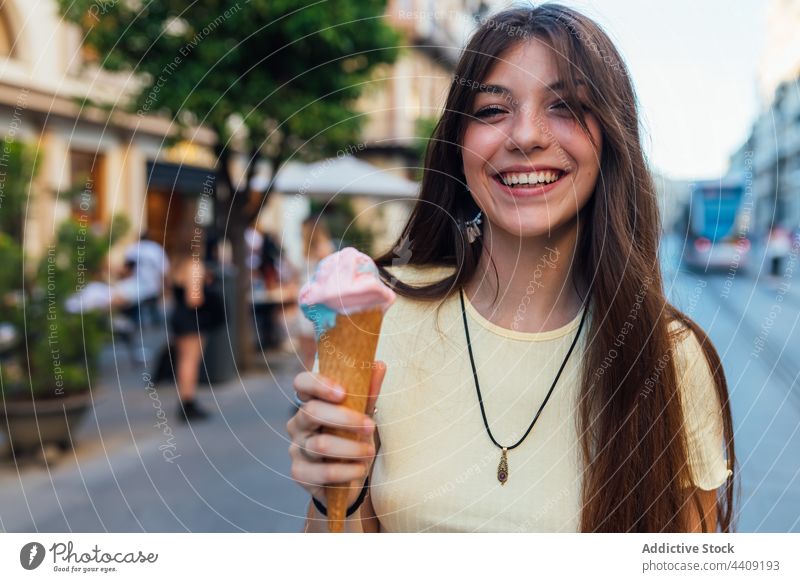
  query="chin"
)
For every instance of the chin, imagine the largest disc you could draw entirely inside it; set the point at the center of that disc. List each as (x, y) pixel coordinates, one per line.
(530, 229)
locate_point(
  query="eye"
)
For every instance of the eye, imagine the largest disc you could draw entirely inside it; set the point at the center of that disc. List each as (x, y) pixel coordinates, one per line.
(562, 107)
(490, 111)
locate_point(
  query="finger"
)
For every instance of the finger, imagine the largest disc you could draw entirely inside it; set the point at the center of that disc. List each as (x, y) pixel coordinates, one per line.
(309, 385)
(299, 454)
(319, 474)
(318, 413)
(327, 446)
(375, 386)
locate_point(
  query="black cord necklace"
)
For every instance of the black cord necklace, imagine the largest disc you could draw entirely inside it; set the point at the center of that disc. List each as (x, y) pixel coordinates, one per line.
(502, 468)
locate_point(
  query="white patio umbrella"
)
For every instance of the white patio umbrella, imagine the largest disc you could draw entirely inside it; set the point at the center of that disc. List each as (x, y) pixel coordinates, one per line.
(345, 175)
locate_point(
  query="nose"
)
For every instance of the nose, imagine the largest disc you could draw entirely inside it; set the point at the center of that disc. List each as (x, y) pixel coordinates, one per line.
(528, 132)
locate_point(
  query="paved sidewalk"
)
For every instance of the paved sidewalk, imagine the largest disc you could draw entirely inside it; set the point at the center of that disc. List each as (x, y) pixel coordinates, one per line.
(138, 469)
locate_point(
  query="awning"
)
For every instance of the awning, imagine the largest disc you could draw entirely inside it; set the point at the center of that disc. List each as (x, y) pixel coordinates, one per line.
(180, 178)
(344, 175)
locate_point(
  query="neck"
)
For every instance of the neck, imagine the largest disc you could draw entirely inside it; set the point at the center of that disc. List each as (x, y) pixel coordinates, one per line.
(536, 280)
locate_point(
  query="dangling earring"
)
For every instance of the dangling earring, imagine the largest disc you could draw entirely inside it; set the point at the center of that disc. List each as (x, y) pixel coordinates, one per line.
(471, 227)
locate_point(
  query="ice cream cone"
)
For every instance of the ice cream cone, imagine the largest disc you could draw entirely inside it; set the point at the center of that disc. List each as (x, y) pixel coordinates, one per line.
(346, 355)
(346, 301)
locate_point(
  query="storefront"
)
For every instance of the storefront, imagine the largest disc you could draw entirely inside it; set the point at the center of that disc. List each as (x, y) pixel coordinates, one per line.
(177, 201)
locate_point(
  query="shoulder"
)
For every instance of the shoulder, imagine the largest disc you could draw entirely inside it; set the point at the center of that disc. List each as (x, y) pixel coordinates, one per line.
(704, 413)
(696, 373)
(411, 316)
(418, 275)
(196, 268)
(689, 351)
(415, 276)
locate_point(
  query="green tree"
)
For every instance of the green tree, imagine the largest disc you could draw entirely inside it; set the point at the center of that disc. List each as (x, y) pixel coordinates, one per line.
(289, 70)
(57, 352)
(19, 166)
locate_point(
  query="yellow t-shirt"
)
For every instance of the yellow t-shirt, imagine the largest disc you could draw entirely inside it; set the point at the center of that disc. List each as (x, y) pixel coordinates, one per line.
(436, 469)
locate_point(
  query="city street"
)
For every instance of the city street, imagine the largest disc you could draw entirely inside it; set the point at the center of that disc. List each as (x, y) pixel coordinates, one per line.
(754, 326)
(179, 186)
(133, 472)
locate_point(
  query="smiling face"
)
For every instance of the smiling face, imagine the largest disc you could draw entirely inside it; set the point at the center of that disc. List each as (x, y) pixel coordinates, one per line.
(527, 161)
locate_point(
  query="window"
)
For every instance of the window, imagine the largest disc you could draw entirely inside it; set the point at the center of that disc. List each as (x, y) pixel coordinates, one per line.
(7, 37)
(87, 194)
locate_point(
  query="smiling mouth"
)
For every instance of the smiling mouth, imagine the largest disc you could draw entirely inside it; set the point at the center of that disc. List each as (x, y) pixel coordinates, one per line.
(529, 179)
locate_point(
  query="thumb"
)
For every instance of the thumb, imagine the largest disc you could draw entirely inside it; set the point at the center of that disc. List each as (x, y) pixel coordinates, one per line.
(375, 386)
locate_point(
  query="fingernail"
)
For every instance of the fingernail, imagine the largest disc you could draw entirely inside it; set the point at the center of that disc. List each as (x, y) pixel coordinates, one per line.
(368, 427)
(337, 391)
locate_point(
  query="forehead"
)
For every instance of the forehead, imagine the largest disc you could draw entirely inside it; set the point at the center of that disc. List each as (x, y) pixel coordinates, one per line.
(528, 64)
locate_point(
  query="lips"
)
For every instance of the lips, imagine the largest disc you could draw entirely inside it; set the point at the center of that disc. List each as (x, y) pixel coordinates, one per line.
(524, 181)
(523, 178)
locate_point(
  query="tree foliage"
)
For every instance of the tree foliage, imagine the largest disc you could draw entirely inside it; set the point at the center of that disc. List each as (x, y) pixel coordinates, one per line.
(290, 69)
(55, 352)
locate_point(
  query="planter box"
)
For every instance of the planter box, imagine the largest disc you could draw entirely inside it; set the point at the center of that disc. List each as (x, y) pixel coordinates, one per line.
(31, 425)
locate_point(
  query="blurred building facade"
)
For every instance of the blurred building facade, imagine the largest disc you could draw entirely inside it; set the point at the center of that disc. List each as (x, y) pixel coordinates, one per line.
(408, 95)
(673, 198)
(94, 164)
(415, 86)
(780, 61)
(770, 157)
(775, 142)
(401, 104)
(98, 161)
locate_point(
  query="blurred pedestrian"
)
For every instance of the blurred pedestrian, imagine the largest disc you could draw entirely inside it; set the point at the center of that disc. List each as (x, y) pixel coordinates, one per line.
(279, 279)
(197, 310)
(317, 245)
(146, 267)
(254, 241)
(269, 264)
(779, 244)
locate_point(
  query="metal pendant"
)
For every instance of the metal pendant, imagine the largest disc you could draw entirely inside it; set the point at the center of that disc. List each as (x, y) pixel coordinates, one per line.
(502, 468)
(473, 232)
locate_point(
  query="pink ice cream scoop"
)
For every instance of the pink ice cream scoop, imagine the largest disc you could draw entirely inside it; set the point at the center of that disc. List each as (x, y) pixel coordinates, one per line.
(344, 282)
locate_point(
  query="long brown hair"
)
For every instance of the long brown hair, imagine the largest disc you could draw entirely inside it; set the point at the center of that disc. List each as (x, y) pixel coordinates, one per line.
(634, 448)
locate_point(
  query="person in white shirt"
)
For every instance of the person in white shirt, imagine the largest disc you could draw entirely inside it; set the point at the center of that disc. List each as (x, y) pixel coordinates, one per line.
(145, 284)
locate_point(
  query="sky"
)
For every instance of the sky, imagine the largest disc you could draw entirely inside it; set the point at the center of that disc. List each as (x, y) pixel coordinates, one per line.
(694, 66)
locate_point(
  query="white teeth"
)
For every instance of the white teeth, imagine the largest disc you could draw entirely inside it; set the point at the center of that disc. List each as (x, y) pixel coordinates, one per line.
(531, 178)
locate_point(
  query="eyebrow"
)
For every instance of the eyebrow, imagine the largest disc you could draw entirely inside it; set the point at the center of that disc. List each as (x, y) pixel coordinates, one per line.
(499, 89)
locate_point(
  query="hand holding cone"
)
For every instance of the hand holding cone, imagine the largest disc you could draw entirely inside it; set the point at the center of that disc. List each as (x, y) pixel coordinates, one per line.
(346, 301)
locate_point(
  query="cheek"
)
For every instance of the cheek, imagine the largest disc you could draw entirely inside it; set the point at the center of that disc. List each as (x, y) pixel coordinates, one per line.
(480, 143)
(573, 145)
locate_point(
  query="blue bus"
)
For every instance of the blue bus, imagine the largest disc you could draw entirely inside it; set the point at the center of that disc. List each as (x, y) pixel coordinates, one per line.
(718, 223)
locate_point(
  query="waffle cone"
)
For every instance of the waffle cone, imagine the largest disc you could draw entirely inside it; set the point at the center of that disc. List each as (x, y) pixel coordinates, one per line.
(346, 354)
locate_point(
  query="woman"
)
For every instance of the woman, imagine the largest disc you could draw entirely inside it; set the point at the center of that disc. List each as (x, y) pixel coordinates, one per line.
(197, 310)
(536, 377)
